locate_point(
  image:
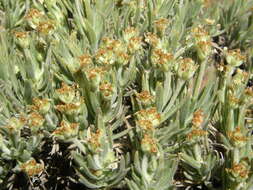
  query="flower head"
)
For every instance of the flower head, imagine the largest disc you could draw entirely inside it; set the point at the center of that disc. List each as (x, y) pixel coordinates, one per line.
(237, 137)
(144, 97)
(45, 27)
(129, 33)
(41, 105)
(150, 114)
(34, 16)
(161, 24)
(15, 124)
(234, 57)
(148, 144)
(240, 170)
(66, 130)
(197, 119)
(95, 140)
(162, 59)
(35, 121)
(66, 93)
(186, 68)
(32, 168)
(22, 38)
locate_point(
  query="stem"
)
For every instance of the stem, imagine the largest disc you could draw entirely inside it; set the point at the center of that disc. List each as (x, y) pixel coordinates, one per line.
(199, 79)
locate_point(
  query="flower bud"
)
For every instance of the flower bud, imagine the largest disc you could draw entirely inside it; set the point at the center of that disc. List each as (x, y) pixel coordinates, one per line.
(204, 49)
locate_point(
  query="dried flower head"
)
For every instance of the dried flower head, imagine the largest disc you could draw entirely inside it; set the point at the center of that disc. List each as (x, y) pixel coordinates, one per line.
(106, 89)
(22, 38)
(200, 34)
(71, 108)
(32, 168)
(105, 56)
(146, 125)
(196, 134)
(15, 124)
(33, 13)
